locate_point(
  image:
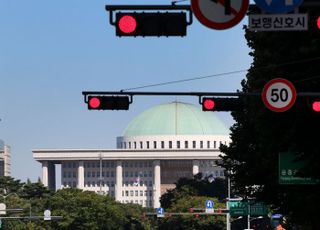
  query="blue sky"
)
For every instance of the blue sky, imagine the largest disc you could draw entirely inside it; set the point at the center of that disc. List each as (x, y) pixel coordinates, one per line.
(51, 51)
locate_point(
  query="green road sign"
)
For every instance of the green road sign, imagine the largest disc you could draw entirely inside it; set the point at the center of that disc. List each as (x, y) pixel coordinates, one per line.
(288, 169)
(244, 208)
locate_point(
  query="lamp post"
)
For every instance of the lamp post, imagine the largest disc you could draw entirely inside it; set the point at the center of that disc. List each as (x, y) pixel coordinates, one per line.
(227, 206)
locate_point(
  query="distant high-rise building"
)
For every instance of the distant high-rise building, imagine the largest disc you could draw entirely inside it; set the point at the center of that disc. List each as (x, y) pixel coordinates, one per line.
(159, 146)
(5, 159)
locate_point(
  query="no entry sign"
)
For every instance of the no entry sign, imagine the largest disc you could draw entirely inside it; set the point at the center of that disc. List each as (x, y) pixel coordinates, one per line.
(219, 14)
(279, 95)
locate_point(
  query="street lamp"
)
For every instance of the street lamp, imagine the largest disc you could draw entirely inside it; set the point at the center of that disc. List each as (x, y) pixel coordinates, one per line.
(249, 220)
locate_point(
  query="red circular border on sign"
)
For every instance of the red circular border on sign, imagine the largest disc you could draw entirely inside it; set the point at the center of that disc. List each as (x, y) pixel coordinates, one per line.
(279, 80)
(216, 25)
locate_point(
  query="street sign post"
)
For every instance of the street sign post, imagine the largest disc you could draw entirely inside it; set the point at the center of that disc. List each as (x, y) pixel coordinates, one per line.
(47, 215)
(219, 14)
(209, 206)
(3, 208)
(278, 22)
(279, 95)
(289, 168)
(160, 212)
(244, 208)
(278, 6)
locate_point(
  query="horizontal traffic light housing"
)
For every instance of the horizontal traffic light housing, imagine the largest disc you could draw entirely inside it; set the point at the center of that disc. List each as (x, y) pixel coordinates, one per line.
(151, 24)
(221, 104)
(108, 102)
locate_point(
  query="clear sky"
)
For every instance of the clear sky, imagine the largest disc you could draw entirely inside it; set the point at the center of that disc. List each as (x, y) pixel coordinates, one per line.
(51, 51)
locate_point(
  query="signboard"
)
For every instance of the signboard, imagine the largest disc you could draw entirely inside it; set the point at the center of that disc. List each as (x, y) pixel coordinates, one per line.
(278, 22)
(289, 168)
(279, 95)
(219, 14)
(47, 215)
(244, 208)
(278, 6)
(3, 208)
(209, 206)
(160, 212)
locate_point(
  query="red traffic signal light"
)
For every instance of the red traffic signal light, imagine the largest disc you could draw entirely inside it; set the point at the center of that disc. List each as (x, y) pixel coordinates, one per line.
(316, 106)
(108, 102)
(221, 104)
(127, 24)
(151, 24)
(318, 22)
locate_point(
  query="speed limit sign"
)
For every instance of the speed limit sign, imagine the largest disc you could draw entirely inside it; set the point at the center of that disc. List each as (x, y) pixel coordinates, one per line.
(279, 95)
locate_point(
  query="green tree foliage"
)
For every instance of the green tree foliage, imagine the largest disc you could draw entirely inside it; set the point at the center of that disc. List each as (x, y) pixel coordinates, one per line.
(80, 210)
(186, 222)
(260, 134)
(9, 185)
(196, 186)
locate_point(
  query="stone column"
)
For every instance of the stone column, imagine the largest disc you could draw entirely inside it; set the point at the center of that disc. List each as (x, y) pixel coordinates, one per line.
(80, 184)
(45, 173)
(156, 184)
(195, 167)
(118, 185)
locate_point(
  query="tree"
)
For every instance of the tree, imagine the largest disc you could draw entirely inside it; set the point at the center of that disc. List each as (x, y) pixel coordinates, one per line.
(192, 222)
(259, 135)
(196, 186)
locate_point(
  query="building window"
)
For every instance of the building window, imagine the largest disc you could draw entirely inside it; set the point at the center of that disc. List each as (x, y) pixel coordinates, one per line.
(170, 144)
(214, 144)
(136, 193)
(125, 145)
(186, 144)
(201, 144)
(220, 144)
(208, 144)
(194, 144)
(178, 144)
(129, 145)
(141, 145)
(148, 144)
(162, 144)
(154, 144)
(135, 145)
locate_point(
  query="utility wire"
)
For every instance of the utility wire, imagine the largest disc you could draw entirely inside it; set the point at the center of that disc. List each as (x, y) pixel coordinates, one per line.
(225, 74)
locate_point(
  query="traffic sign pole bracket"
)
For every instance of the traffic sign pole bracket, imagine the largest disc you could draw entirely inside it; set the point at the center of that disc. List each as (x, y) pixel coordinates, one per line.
(172, 7)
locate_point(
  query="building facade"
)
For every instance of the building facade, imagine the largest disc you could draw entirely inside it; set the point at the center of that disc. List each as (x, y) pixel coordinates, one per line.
(5, 159)
(157, 148)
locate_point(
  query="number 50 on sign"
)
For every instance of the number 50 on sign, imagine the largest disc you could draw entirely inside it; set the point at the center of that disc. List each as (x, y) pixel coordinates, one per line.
(279, 95)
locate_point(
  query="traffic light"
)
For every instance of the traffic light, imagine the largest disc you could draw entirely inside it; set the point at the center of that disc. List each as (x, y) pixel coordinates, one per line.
(108, 102)
(221, 104)
(315, 104)
(151, 24)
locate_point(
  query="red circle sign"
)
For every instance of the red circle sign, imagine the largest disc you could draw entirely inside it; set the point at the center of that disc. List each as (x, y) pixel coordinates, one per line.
(279, 95)
(219, 14)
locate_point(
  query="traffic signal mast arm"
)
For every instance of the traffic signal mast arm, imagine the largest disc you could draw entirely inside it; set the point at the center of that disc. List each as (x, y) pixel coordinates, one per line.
(210, 101)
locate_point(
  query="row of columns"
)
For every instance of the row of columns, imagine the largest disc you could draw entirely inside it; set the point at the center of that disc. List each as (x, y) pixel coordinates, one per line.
(48, 178)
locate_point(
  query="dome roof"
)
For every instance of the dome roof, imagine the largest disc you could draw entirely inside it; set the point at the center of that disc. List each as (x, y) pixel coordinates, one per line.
(175, 118)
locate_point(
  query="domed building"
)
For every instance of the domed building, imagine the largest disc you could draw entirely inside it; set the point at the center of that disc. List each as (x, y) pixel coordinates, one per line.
(159, 146)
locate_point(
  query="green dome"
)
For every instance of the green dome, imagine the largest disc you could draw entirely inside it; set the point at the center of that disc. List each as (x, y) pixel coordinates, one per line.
(175, 119)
